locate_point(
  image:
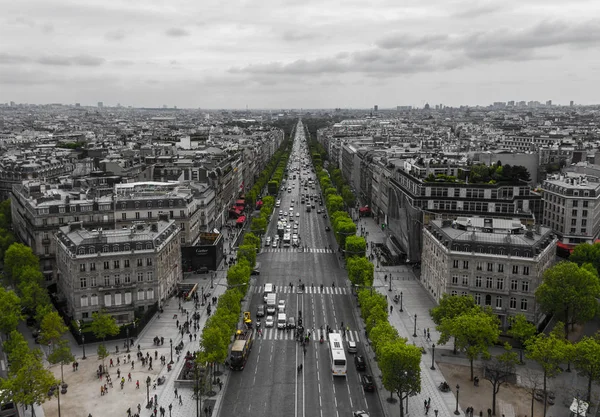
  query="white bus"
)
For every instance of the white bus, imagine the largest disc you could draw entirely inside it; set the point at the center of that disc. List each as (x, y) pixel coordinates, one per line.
(286, 240)
(337, 354)
(268, 290)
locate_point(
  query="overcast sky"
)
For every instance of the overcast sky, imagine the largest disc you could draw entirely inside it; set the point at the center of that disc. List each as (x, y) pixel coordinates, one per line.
(298, 54)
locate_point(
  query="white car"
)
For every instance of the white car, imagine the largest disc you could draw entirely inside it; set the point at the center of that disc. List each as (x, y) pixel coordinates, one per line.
(297, 214)
(268, 241)
(281, 304)
(269, 322)
(280, 212)
(295, 226)
(274, 243)
(292, 210)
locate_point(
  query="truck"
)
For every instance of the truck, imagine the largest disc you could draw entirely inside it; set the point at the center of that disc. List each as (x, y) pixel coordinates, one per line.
(241, 349)
(271, 303)
(286, 240)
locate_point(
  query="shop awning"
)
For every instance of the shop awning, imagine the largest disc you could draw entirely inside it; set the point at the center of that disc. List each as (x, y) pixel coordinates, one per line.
(241, 219)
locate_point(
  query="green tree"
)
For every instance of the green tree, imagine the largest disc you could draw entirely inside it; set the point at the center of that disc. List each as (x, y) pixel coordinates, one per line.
(103, 324)
(400, 369)
(451, 306)
(549, 352)
(570, 293)
(522, 330)
(247, 252)
(498, 369)
(61, 354)
(16, 348)
(239, 274)
(52, 329)
(18, 256)
(10, 310)
(5, 215)
(587, 360)
(382, 334)
(474, 332)
(31, 382)
(259, 225)
(214, 345)
(334, 203)
(356, 246)
(360, 271)
(586, 253)
(102, 354)
(32, 296)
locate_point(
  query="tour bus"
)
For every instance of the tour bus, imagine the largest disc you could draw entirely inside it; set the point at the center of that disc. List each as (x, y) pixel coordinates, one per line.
(337, 354)
(268, 290)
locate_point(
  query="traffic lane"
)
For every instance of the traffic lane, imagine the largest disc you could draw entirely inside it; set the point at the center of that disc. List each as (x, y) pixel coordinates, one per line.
(276, 375)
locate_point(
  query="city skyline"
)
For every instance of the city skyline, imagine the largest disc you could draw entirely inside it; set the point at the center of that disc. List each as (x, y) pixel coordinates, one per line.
(298, 54)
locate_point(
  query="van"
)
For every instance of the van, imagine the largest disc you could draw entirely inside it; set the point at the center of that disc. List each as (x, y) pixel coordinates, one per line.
(268, 290)
(281, 321)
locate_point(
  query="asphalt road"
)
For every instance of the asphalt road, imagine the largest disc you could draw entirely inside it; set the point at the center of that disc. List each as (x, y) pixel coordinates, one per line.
(270, 384)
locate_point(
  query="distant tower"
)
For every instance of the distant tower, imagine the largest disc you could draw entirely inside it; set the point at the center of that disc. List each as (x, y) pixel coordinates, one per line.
(571, 103)
(375, 107)
(549, 103)
(426, 106)
(100, 104)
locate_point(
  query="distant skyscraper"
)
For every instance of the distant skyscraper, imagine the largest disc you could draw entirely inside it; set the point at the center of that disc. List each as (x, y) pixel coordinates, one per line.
(571, 103)
(77, 104)
(100, 104)
(12, 104)
(376, 107)
(549, 103)
(511, 103)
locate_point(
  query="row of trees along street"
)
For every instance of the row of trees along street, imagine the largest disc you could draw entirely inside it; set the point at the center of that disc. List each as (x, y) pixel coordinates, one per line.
(223, 323)
(398, 361)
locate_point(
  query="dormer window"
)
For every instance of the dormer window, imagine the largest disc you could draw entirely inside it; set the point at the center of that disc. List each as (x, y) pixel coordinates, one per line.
(105, 249)
(91, 250)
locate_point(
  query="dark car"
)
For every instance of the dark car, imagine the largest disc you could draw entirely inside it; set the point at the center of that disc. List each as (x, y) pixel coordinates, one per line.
(327, 228)
(367, 383)
(360, 363)
(260, 310)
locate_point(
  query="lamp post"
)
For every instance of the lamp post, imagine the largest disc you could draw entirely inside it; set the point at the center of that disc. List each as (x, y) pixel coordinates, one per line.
(401, 309)
(171, 341)
(127, 335)
(202, 304)
(433, 357)
(415, 331)
(148, 381)
(211, 279)
(171, 406)
(390, 289)
(457, 390)
(83, 345)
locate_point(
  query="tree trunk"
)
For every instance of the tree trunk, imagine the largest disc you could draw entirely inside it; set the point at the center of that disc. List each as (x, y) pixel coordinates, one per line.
(532, 400)
(32, 410)
(566, 324)
(494, 392)
(62, 375)
(589, 390)
(545, 403)
(401, 405)
(521, 356)
(471, 362)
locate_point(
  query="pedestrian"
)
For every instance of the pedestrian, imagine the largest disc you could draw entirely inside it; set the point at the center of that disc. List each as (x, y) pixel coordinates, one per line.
(139, 407)
(425, 405)
(427, 409)
(111, 364)
(391, 309)
(220, 385)
(180, 401)
(489, 412)
(424, 332)
(428, 401)
(129, 377)
(132, 364)
(118, 373)
(428, 334)
(118, 361)
(137, 384)
(101, 390)
(175, 392)
(190, 337)
(194, 334)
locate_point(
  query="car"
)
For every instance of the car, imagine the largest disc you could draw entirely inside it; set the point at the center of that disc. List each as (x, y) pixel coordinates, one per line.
(270, 321)
(360, 414)
(268, 241)
(351, 347)
(291, 323)
(260, 311)
(297, 214)
(359, 362)
(280, 212)
(274, 245)
(291, 209)
(367, 383)
(327, 228)
(313, 205)
(281, 304)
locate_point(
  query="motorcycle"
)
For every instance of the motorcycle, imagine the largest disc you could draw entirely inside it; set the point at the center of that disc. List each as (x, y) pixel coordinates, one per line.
(258, 324)
(396, 299)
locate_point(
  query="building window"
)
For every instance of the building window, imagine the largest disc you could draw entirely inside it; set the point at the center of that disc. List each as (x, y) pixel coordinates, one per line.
(513, 303)
(489, 282)
(455, 263)
(515, 269)
(150, 294)
(149, 214)
(574, 213)
(126, 263)
(106, 281)
(107, 299)
(81, 251)
(585, 204)
(118, 299)
(575, 203)
(138, 246)
(84, 301)
(498, 302)
(465, 280)
(93, 266)
(83, 282)
(525, 286)
(479, 266)
(148, 261)
(127, 298)
(94, 300)
(490, 267)
(116, 264)
(148, 245)
(453, 292)
(123, 216)
(465, 264)
(573, 222)
(116, 248)
(525, 270)
(91, 250)
(93, 281)
(117, 279)
(524, 304)
(500, 267)
(454, 279)
(149, 276)
(106, 265)
(514, 284)
(127, 279)
(140, 295)
(499, 283)
(488, 300)
(478, 282)
(137, 215)
(478, 299)
(140, 277)
(105, 249)
(81, 267)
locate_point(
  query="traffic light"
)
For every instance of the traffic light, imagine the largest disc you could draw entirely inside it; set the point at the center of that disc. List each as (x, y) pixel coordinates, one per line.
(382, 226)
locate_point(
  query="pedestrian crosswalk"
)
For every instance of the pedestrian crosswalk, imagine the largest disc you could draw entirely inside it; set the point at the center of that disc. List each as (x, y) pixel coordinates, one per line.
(286, 289)
(298, 250)
(273, 333)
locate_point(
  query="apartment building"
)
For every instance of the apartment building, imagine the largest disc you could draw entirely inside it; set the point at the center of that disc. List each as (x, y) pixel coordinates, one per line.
(500, 262)
(122, 271)
(572, 206)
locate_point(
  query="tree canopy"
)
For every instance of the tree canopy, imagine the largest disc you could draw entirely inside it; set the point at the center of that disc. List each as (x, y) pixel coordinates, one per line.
(103, 324)
(400, 369)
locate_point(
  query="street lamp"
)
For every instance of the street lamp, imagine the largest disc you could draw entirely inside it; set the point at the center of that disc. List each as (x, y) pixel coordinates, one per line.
(127, 335)
(457, 390)
(433, 357)
(171, 341)
(390, 283)
(171, 406)
(415, 331)
(83, 345)
(401, 309)
(202, 304)
(148, 381)
(211, 279)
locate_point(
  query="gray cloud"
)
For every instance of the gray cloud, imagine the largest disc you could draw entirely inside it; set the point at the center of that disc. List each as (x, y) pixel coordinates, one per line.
(297, 36)
(177, 32)
(478, 11)
(115, 35)
(123, 62)
(9, 59)
(64, 61)
(403, 40)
